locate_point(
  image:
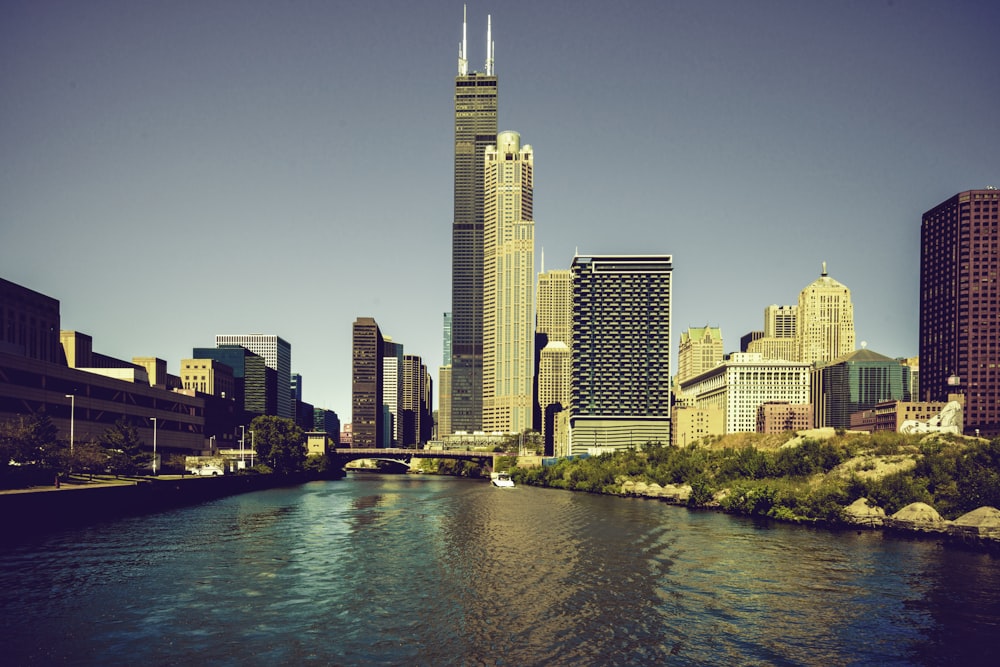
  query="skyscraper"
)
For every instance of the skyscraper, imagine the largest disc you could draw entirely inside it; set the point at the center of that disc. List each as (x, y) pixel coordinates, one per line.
(392, 385)
(959, 322)
(366, 384)
(700, 350)
(553, 341)
(621, 350)
(475, 129)
(779, 340)
(277, 354)
(825, 322)
(508, 285)
(444, 383)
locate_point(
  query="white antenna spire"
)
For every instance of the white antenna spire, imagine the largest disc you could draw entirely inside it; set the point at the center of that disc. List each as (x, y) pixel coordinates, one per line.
(489, 45)
(463, 60)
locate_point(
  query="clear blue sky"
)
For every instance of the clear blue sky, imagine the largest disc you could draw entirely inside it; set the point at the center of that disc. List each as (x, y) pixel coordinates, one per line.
(175, 170)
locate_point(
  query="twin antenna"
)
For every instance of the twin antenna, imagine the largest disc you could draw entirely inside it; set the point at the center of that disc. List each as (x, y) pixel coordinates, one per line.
(463, 53)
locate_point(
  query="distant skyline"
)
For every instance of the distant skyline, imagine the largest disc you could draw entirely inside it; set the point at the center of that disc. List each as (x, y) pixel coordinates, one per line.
(174, 171)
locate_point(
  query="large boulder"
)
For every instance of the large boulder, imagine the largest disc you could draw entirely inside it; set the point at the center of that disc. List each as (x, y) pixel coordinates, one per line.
(918, 516)
(863, 512)
(983, 522)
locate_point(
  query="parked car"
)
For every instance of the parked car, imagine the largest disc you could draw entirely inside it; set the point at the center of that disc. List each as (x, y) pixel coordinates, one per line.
(207, 471)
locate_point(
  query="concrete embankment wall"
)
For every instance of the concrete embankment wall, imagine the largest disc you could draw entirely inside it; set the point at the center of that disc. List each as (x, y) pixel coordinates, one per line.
(38, 511)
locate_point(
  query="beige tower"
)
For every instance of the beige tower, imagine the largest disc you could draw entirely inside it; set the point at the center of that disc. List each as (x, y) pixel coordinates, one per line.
(555, 363)
(555, 305)
(779, 341)
(700, 350)
(825, 326)
(508, 285)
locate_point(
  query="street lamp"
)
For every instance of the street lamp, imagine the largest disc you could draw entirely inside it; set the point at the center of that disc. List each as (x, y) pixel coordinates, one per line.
(211, 445)
(253, 449)
(243, 437)
(154, 445)
(72, 415)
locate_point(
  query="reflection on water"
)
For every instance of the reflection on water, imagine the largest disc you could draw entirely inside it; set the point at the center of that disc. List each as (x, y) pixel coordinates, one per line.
(387, 570)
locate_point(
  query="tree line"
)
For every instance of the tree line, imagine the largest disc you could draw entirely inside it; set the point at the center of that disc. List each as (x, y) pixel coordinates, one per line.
(33, 453)
(806, 482)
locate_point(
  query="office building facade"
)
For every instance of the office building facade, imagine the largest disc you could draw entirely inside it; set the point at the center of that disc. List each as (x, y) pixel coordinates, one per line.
(367, 419)
(700, 349)
(959, 293)
(858, 381)
(277, 354)
(744, 382)
(475, 130)
(621, 351)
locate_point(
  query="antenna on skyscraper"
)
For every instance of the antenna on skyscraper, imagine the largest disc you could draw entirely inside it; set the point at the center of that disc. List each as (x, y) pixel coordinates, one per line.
(463, 60)
(489, 45)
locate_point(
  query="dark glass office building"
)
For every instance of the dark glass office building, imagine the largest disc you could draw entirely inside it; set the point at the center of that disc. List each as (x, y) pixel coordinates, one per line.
(475, 129)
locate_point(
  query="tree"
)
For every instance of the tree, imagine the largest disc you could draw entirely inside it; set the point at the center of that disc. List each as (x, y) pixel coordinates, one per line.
(29, 450)
(279, 443)
(124, 447)
(89, 457)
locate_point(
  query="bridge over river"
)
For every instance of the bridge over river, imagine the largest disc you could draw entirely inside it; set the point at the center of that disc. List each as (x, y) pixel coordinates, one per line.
(344, 455)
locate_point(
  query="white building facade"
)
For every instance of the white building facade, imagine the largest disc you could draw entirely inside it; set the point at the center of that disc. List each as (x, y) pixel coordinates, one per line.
(745, 382)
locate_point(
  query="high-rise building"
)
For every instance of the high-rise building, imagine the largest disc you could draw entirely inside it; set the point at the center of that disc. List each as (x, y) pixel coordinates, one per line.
(444, 382)
(392, 387)
(255, 383)
(366, 384)
(508, 285)
(700, 349)
(415, 411)
(621, 350)
(825, 321)
(475, 129)
(446, 340)
(779, 340)
(555, 305)
(553, 341)
(277, 354)
(959, 291)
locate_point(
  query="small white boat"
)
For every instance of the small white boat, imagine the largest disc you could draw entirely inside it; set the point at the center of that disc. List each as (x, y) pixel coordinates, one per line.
(501, 479)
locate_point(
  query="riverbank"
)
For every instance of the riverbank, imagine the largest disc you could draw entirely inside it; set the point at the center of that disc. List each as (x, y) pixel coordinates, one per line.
(945, 488)
(40, 509)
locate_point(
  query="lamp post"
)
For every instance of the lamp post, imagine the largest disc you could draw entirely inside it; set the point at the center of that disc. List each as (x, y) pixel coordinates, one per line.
(243, 437)
(253, 449)
(211, 445)
(153, 419)
(72, 418)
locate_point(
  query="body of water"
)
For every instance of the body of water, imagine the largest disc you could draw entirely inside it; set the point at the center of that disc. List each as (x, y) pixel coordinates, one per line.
(420, 570)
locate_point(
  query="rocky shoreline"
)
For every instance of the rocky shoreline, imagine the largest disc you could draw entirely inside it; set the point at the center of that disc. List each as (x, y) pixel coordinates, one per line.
(979, 528)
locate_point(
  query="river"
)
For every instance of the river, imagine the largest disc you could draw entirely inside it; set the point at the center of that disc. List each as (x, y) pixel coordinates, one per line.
(422, 570)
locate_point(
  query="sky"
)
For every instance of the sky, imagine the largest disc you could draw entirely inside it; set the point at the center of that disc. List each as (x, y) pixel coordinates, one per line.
(170, 171)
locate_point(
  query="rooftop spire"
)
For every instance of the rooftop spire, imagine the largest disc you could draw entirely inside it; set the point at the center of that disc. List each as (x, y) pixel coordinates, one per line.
(489, 45)
(463, 60)
(824, 269)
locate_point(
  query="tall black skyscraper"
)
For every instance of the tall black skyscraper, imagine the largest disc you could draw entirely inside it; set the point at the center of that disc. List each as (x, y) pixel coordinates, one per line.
(475, 129)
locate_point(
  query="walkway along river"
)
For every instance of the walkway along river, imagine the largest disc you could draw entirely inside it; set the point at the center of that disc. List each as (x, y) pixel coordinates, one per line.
(422, 570)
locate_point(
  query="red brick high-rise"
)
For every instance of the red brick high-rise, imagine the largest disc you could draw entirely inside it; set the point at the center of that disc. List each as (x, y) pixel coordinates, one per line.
(959, 295)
